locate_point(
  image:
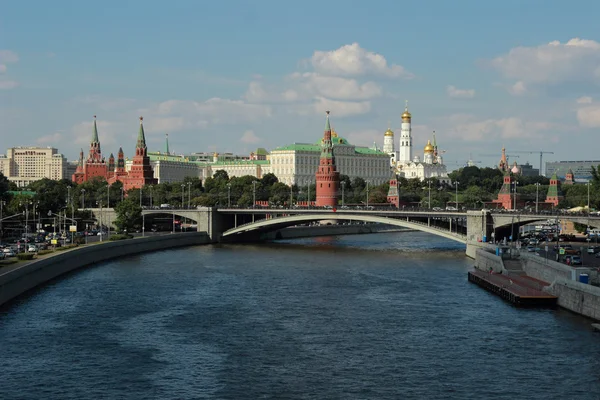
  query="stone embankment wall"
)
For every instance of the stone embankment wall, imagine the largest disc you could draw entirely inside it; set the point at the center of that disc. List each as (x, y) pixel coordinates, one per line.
(577, 297)
(19, 280)
(330, 230)
(484, 260)
(549, 270)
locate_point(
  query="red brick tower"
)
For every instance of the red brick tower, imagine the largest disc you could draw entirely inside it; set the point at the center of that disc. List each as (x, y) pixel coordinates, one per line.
(95, 166)
(327, 178)
(393, 195)
(569, 177)
(79, 177)
(554, 195)
(111, 165)
(505, 195)
(141, 173)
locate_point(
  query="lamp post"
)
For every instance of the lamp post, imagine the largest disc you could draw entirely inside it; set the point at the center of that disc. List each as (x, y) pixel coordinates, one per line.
(229, 195)
(141, 195)
(308, 195)
(456, 195)
(151, 203)
(82, 199)
(537, 192)
(588, 199)
(291, 195)
(367, 194)
(515, 196)
(189, 184)
(26, 225)
(68, 194)
(182, 195)
(253, 194)
(343, 191)
(429, 195)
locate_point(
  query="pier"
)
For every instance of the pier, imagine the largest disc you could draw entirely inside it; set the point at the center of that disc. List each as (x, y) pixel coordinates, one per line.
(520, 290)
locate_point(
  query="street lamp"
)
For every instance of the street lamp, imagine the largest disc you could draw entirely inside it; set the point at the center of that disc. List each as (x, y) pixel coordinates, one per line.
(308, 194)
(456, 195)
(182, 195)
(429, 195)
(588, 199)
(343, 191)
(291, 195)
(253, 194)
(151, 203)
(229, 195)
(367, 194)
(82, 199)
(537, 192)
(515, 195)
(189, 194)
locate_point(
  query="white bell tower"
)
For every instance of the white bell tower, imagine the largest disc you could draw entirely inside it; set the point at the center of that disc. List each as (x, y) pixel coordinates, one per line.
(405, 155)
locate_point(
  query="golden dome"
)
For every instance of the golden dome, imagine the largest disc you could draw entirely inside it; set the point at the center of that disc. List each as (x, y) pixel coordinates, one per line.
(406, 115)
(215, 154)
(334, 133)
(429, 148)
(389, 132)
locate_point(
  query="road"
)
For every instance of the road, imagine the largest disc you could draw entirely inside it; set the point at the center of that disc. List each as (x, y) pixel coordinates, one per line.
(588, 260)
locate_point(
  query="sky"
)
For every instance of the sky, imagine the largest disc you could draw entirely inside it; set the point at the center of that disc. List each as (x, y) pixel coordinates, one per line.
(231, 76)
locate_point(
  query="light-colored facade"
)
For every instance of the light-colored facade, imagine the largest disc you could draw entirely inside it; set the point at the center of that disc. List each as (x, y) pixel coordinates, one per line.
(24, 165)
(298, 162)
(409, 167)
(581, 169)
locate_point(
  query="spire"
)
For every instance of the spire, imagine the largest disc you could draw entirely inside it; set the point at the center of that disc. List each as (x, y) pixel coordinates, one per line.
(405, 105)
(327, 125)
(167, 144)
(95, 133)
(434, 142)
(120, 151)
(141, 139)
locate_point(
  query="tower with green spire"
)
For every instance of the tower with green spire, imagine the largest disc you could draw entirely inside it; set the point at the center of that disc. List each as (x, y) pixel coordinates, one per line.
(95, 154)
(94, 166)
(327, 176)
(141, 173)
(167, 152)
(554, 195)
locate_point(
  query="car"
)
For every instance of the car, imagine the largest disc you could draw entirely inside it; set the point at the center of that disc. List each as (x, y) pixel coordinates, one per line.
(576, 260)
(530, 249)
(2, 256)
(593, 250)
(450, 208)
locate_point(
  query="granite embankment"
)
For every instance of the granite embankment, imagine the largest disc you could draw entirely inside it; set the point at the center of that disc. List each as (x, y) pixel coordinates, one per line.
(330, 230)
(563, 280)
(18, 280)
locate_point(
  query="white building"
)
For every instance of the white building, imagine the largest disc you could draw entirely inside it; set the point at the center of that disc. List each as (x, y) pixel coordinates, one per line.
(297, 163)
(409, 167)
(24, 165)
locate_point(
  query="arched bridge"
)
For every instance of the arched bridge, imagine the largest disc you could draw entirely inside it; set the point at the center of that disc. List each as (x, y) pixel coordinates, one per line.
(292, 220)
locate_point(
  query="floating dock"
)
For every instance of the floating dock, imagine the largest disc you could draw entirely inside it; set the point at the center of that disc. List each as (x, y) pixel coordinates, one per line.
(518, 289)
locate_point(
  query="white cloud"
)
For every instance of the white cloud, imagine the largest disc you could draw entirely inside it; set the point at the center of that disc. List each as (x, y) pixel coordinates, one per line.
(212, 111)
(5, 85)
(340, 108)
(352, 60)
(517, 89)
(589, 116)
(469, 128)
(577, 60)
(7, 56)
(249, 137)
(584, 100)
(51, 139)
(333, 87)
(456, 93)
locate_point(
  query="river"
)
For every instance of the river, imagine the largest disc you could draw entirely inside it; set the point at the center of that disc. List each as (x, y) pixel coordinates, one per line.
(380, 316)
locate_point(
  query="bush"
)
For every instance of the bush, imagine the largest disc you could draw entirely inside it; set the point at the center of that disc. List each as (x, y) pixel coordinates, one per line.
(25, 256)
(120, 237)
(42, 252)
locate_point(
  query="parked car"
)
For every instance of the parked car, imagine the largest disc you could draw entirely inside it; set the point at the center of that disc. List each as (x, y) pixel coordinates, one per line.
(575, 260)
(593, 250)
(530, 249)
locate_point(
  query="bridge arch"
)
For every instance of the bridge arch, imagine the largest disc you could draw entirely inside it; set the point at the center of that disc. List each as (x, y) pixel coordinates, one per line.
(272, 224)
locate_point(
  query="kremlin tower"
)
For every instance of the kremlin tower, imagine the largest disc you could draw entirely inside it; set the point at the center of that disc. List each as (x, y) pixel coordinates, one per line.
(388, 145)
(405, 155)
(327, 177)
(141, 173)
(94, 166)
(554, 195)
(393, 197)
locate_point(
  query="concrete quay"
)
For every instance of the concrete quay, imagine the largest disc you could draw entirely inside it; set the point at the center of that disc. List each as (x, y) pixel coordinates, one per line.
(18, 280)
(330, 230)
(554, 278)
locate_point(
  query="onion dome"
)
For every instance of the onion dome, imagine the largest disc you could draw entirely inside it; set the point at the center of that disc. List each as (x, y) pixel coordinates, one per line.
(515, 169)
(429, 147)
(389, 132)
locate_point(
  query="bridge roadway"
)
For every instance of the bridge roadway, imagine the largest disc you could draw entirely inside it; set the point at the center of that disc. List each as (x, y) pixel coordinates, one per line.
(469, 227)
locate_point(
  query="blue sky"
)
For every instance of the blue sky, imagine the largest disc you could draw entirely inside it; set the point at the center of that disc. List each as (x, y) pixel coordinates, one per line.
(230, 76)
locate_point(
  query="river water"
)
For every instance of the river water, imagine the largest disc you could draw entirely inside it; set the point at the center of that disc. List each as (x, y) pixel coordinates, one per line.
(381, 316)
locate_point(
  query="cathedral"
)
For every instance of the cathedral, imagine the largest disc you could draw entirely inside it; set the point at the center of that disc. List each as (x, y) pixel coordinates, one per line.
(95, 165)
(409, 166)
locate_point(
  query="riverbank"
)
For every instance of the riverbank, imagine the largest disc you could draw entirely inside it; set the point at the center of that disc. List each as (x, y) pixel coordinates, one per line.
(296, 232)
(560, 280)
(18, 279)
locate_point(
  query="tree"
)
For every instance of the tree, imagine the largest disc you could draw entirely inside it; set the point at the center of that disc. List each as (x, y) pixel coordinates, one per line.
(269, 180)
(4, 185)
(129, 215)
